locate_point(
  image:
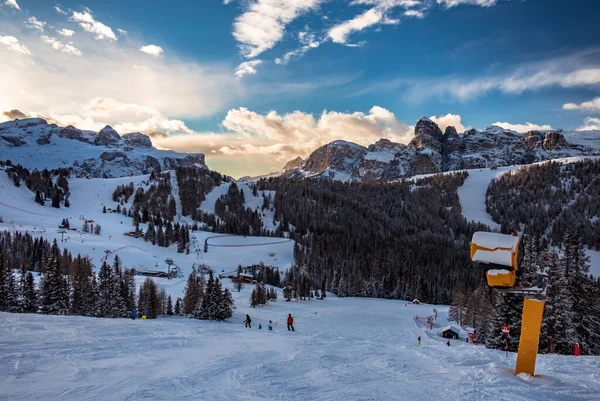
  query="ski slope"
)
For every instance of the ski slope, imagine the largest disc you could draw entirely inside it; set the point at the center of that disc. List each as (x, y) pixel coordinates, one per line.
(88, 197)
(342, 349)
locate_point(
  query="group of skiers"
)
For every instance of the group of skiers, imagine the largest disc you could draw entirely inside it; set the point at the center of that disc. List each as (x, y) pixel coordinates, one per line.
(290, 323)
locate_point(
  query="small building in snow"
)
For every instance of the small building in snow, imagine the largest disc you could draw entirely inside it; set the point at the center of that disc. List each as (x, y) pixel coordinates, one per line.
(451, 332)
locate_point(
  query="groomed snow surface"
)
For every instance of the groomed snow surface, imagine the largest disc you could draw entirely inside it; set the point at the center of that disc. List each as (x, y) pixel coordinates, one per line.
(342, 349)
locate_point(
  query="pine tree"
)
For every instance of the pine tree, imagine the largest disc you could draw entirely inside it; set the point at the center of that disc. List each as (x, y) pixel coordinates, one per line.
(226, 306)
(148, 300)
(56, 200)
(557, 326)
(170, 307)
(586, 311)
(29, 298)
(206, 305)
(178, 307)
(193, 292)
(53, 288)
(507, 312)
(110, 302)
(82, 291)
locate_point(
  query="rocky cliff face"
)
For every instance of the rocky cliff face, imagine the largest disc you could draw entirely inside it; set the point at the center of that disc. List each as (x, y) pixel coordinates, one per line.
(431, 151)
(36, 144)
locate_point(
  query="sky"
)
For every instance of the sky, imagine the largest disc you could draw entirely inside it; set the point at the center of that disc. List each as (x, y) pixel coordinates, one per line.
(255, 83)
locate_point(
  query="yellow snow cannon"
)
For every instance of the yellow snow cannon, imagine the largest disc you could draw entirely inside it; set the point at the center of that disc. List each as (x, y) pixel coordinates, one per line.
(499, 254)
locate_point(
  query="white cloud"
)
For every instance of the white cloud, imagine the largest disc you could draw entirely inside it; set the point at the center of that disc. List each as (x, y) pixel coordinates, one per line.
(48, 85)
(12, 3)
(65, 32)
(590, 123)
(380, 13)
(34, 23)
(454, 120)
(247, 68)
(572, 71)
(592, 105)
(298, 133)
(414, 13)
(523, 127)
(122, 32)
(12, 44)
(153, 50)
(340, 32)
(60, 10)
(454, 3)
(62, 47)
(263, 23)
(308, 41)
(88, 23)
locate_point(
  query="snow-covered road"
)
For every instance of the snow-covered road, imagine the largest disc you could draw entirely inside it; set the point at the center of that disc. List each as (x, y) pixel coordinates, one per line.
(350, 349)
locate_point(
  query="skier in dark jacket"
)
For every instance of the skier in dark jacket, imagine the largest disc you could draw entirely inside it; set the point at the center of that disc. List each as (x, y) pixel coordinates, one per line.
(133, 315)
(419, 339)
(290, 322)
(248, 321)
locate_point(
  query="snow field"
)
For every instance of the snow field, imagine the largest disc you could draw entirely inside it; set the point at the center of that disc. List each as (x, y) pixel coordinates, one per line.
(350, 349)
(88, 196)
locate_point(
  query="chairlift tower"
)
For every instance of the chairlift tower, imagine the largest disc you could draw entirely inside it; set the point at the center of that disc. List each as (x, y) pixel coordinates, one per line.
(169, 262)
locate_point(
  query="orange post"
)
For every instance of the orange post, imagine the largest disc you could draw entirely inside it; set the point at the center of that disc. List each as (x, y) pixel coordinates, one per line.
(533, 311)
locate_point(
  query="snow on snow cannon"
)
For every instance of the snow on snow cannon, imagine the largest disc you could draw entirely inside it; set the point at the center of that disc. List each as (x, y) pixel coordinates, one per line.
(500, 256)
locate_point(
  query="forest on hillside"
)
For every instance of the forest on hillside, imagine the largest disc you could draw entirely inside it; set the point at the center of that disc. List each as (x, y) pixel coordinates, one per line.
(403, 240)
(548, 199)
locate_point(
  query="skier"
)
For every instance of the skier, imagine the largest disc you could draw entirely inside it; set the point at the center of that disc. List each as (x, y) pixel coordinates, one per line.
(133, 315)
(260, 326)
(448, 343)
(248, 321)
(270, 325)
(419, 339)
(290, 322)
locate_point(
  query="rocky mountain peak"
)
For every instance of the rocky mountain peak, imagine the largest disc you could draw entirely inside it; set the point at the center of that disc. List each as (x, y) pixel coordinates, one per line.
(107, 137)
(292, 164)
(427, 135)
(137, 139)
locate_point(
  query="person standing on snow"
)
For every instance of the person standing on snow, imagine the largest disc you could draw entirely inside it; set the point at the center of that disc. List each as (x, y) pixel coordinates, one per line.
(448, 343)
(133, 315)
(248, 321)
(270, 325)
(419, 339)
(290, 322)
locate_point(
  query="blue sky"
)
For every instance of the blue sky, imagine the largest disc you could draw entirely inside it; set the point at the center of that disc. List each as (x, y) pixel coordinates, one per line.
(253, 83)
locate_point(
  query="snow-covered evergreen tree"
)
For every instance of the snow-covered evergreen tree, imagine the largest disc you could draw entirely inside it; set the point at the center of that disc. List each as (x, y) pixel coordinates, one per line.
(557, 325)
(29, 296)
(110, 302)
(54, 295)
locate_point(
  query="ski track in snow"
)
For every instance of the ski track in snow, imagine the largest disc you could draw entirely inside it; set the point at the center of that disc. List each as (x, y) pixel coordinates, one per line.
(350, 349)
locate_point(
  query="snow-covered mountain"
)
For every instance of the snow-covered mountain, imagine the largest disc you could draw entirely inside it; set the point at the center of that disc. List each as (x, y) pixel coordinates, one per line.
(34, 143)
(433, 151)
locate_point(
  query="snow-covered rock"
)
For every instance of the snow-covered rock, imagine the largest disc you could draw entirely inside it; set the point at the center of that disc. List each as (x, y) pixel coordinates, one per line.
(36, 144)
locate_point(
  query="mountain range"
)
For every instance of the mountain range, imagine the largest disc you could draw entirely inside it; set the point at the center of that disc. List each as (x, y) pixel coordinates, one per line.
(106, 154)
(433, 151)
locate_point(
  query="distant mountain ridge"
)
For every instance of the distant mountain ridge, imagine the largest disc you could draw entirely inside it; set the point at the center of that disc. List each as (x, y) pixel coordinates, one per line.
(36, 144)
(434, 151)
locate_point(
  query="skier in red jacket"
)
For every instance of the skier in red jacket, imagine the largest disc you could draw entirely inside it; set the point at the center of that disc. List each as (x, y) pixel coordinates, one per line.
(290, 322)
